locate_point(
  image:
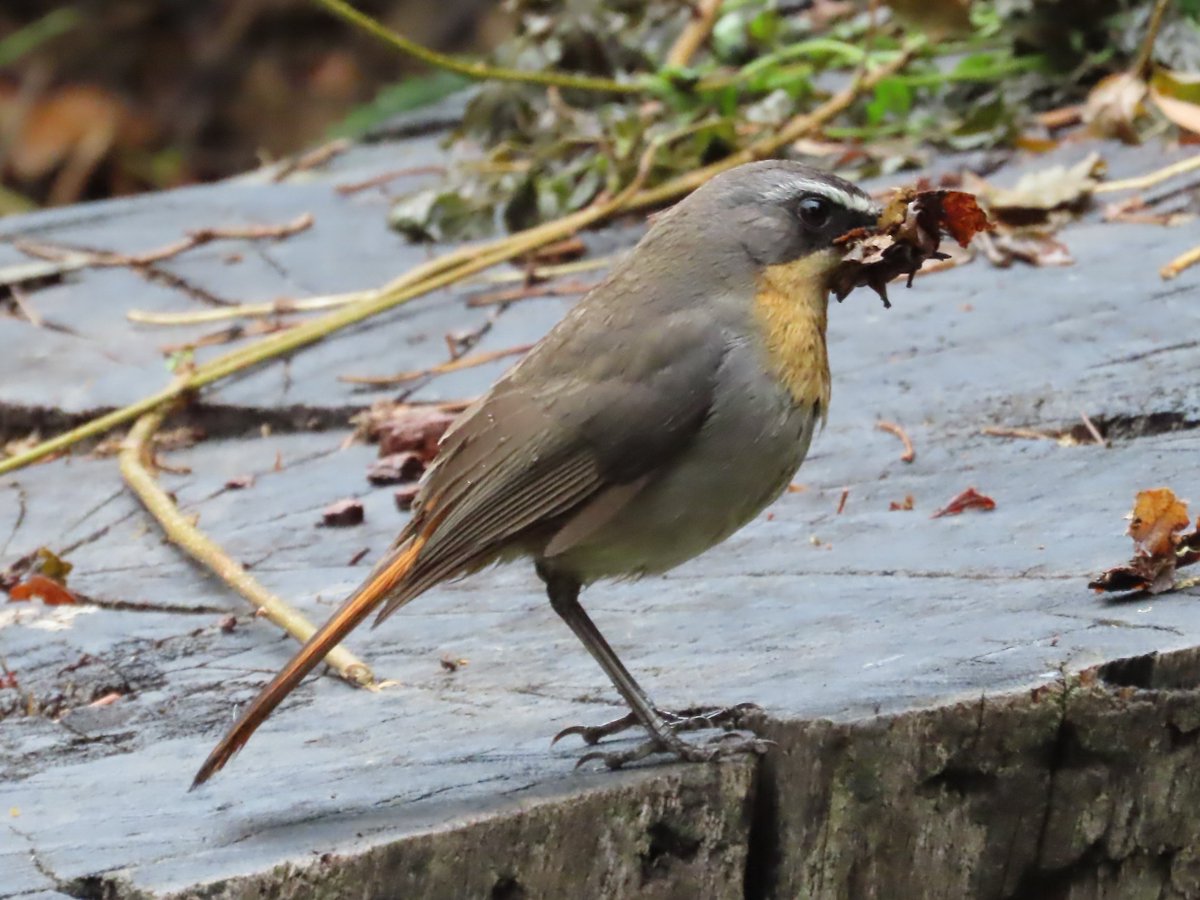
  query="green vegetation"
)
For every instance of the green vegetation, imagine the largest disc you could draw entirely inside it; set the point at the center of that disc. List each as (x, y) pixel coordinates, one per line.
(527, 154)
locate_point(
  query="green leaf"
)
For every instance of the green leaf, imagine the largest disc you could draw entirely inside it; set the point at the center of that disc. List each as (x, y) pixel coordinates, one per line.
(764, 27)
(412, 93)
(977, 65)
(27, 39)
(892, 97)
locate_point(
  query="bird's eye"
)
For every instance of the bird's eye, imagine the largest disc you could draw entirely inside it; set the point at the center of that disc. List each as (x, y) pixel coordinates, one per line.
(814, 212)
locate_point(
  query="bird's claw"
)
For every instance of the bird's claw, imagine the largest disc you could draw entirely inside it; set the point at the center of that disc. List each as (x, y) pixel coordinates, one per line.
(614, 759)
(720, 747)
(730, 718)
(593, 734)
(698, 718)
(743, 716)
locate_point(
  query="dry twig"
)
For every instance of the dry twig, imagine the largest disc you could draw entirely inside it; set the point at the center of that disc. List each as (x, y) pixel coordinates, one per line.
(353, 187)
(454, 365)
(224, 336)
(1092, 429)
(136, 468)
(1180, 263)
(1027, 433)
(511, 295)
(1150, 179)
(280, 307)
(106, 258)
(318, 156)
(909, 453)
(31, 314)
(694, 34)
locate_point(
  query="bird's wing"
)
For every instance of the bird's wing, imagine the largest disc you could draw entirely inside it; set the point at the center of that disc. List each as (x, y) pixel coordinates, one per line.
(571, 422)
(600, 404)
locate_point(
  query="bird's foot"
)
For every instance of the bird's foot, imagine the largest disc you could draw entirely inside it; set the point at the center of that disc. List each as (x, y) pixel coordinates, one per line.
(696, 718)
(743, 716)
(720, 747)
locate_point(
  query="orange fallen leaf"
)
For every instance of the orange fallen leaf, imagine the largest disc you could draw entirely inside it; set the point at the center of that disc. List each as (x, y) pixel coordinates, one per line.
(962, 217)
(1157, 518)
(51, 592)
(968, 499)
(1159, 546)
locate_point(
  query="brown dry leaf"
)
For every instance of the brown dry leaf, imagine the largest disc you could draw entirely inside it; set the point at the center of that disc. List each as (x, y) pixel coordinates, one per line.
(908, 233)
(1049, 196)
(50, 591)
(342, 513)
(1177, 96)
(905, 506)
(404, 428)
(406, 496)
(1156, 526)
(1113, 106)
(968, 499)
(962, 217)
(1028, 213)
(39, 574)
(396, 468)
(1157, 517)
(1035, 248)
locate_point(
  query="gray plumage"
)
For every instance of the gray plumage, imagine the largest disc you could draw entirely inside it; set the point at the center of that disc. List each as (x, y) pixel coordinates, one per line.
(672, 404)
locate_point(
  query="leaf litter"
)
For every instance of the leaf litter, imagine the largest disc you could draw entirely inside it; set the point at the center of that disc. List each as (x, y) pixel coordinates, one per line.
(41, 574)
(1160, 546)
(968, 499)
(909, 232)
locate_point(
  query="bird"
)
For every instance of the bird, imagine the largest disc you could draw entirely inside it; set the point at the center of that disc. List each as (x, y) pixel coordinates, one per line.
(667, 409)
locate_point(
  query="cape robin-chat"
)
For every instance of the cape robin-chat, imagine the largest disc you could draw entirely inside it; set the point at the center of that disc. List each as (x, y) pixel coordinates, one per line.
(668, 408)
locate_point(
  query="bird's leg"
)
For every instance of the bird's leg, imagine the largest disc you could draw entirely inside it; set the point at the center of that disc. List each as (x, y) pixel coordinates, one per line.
(564, 598)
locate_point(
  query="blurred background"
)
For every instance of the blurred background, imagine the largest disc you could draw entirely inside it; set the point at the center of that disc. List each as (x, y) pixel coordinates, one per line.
(101, 98)
(111, 97)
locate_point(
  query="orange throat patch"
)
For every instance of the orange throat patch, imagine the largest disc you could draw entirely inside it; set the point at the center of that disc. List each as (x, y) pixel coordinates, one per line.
(791, 304)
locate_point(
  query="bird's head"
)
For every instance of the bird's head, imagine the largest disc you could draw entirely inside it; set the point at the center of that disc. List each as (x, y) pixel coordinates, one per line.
(766, 215)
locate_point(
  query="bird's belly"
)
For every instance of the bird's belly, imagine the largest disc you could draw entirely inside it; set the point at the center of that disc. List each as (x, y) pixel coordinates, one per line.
(742, 460)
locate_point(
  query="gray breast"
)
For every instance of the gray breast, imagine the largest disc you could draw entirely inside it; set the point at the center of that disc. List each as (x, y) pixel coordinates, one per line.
(743, 457)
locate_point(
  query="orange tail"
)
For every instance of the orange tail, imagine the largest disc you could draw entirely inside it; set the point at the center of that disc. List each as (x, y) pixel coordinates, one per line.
(356, 608)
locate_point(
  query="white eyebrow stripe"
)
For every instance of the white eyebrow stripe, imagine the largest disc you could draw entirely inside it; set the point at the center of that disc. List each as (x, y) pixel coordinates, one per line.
(796, 186)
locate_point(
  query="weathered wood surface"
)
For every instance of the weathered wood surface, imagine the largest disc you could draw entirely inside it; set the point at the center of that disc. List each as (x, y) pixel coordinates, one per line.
(920, 675)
